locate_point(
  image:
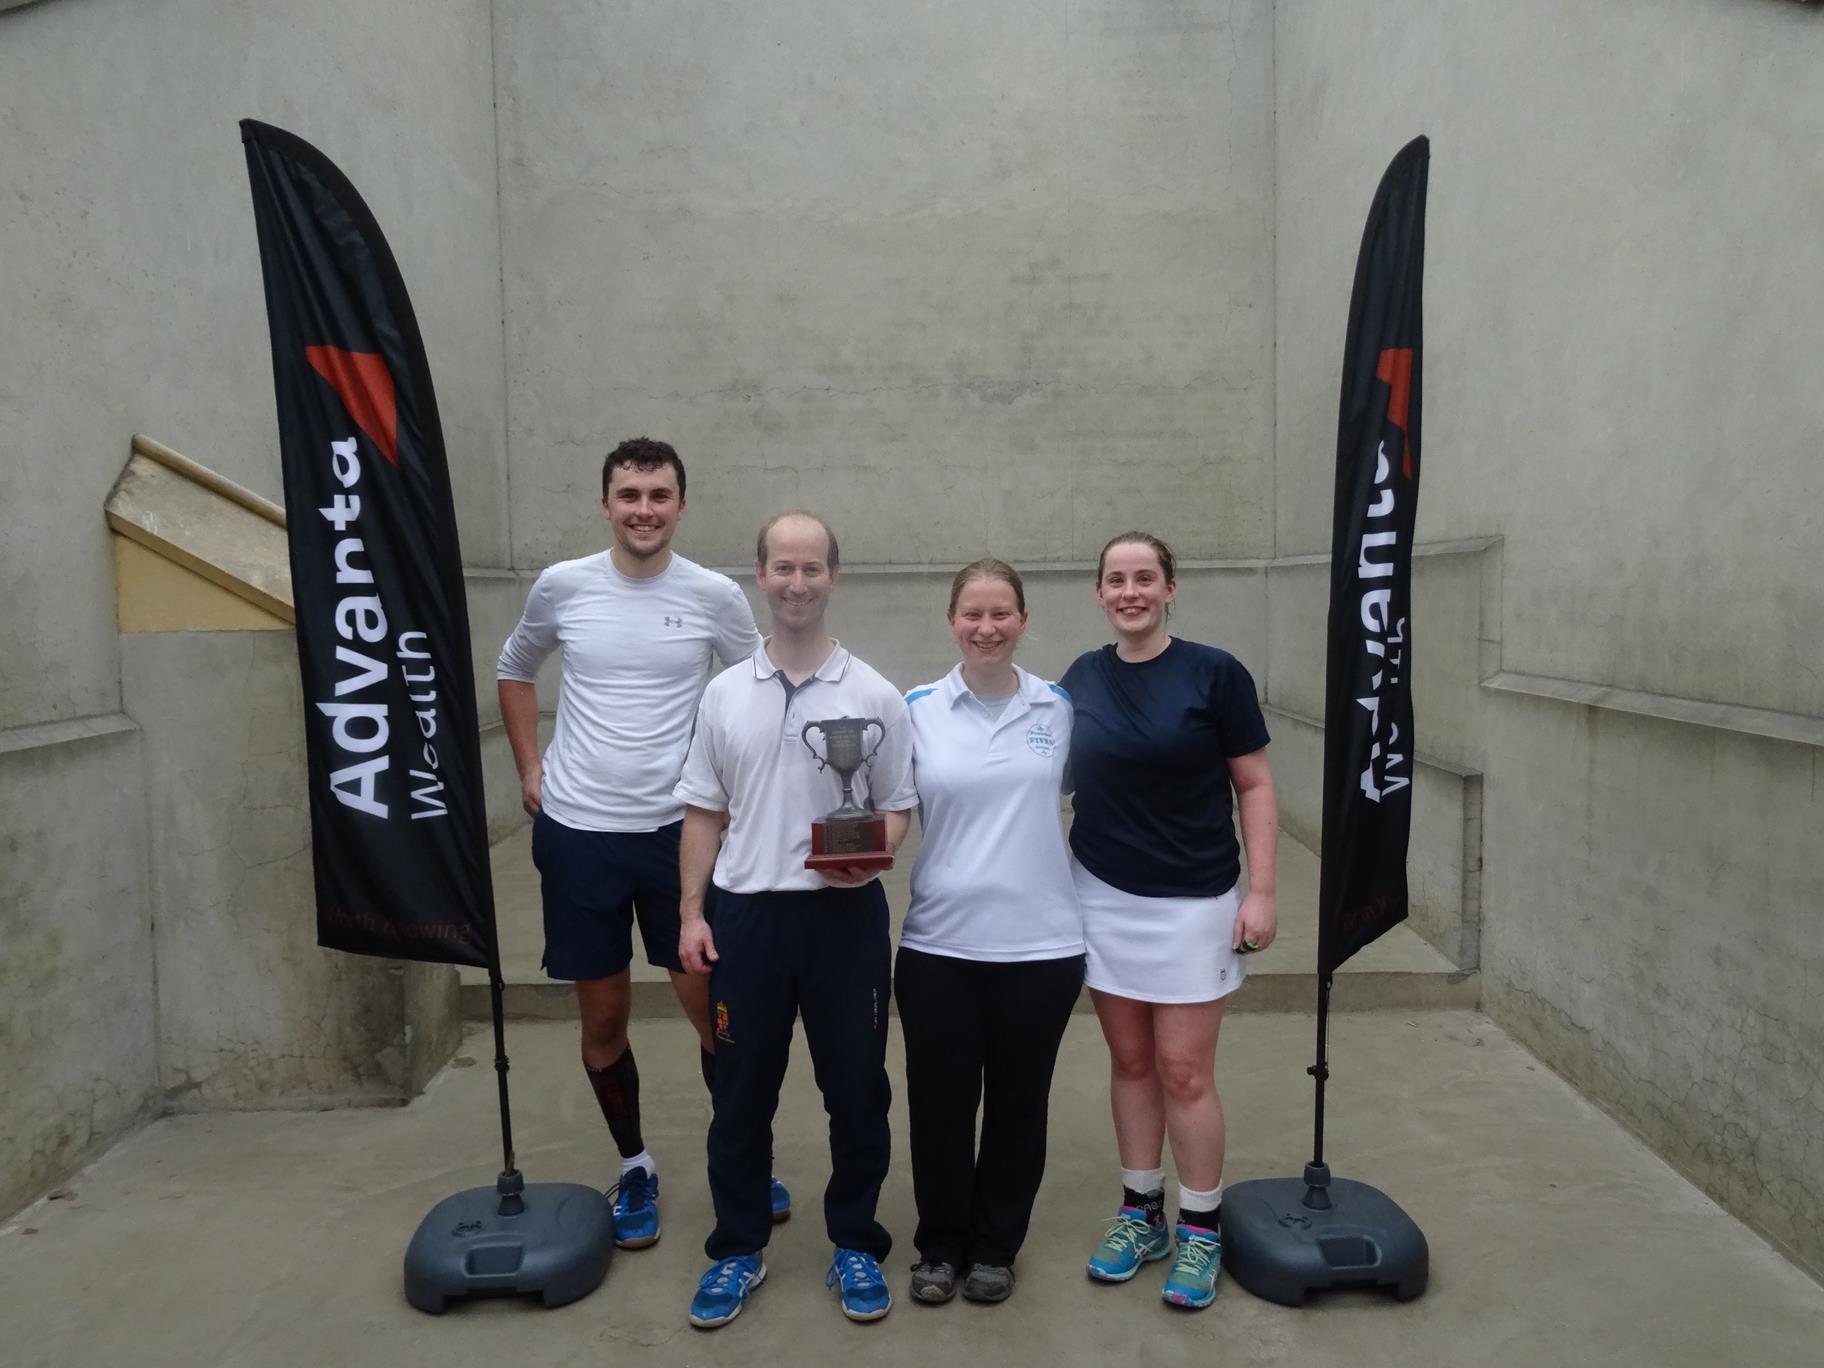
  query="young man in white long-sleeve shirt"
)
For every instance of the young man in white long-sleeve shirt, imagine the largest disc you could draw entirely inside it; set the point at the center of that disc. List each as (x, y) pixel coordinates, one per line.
(638, 625)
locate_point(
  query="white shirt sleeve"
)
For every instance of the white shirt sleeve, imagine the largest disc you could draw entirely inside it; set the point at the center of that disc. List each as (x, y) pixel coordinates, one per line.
(736, 635)
(533, 639)
(890, 780)
(701, 784)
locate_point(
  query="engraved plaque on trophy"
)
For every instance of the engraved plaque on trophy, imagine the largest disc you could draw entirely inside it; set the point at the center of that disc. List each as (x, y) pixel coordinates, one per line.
(849, 836)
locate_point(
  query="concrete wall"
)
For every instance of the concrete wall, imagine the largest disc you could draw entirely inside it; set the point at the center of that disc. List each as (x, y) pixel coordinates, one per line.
(131, 301)
(76, 997)
(1622, 333)
(953, 274)
(132, 287)
(251, 1012)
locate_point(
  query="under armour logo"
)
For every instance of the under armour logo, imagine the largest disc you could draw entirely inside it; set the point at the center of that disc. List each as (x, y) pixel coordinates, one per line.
(671, 621)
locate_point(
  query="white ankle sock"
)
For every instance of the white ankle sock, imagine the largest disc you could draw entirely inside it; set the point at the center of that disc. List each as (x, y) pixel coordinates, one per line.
(1144, 1180)
(1190, 1199)
(640, 1160)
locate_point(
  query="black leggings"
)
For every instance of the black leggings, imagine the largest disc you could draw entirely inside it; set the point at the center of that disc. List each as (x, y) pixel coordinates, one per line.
(987, 1033)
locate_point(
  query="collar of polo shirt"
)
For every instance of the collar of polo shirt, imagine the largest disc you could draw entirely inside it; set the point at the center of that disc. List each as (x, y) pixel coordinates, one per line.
(1028, 688)
(835, 664)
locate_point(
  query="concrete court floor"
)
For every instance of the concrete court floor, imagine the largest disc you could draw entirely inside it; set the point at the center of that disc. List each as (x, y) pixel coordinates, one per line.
(276, 1238)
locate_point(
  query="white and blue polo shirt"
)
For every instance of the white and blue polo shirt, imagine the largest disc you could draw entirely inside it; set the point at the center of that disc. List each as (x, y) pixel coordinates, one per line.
(992, 879)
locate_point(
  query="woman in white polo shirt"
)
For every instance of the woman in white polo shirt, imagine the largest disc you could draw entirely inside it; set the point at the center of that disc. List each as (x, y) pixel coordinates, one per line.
(991, 956)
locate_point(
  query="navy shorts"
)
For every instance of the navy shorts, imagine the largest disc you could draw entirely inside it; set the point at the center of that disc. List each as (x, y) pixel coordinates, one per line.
(594, 884)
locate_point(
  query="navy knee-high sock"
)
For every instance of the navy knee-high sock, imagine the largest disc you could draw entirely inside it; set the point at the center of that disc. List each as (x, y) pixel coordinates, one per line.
(617, 1092)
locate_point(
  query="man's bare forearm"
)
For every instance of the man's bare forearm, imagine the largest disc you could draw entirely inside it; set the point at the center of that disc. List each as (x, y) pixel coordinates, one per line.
(698, 845)
(519, 714)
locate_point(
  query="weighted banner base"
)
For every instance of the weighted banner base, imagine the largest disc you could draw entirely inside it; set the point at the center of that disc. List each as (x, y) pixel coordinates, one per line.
(553, 1240)
(1280, 1247)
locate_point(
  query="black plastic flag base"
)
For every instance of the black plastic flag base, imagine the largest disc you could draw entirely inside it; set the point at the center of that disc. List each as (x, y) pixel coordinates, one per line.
(1283, 1238)
(553, 1240)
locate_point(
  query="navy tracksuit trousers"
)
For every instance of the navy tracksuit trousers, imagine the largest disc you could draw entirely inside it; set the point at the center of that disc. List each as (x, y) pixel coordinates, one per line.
(823, 955)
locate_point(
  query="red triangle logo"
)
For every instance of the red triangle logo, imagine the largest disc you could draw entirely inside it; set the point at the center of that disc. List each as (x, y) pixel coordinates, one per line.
(366, 387)
(1395, 368)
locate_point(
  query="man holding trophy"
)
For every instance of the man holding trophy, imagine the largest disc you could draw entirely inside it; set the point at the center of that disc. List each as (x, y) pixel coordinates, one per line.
(795, 921)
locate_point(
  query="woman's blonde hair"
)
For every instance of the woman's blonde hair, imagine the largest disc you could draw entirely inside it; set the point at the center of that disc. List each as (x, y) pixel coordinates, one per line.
(988, 568)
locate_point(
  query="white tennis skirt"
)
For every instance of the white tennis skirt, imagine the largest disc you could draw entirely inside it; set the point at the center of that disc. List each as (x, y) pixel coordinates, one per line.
(1159, 949)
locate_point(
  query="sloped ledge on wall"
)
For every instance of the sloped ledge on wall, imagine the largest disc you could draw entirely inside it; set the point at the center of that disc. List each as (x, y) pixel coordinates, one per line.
(194, 551)
(1799, 728)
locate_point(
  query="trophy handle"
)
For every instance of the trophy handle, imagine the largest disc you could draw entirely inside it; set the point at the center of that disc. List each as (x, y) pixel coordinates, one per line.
(867, 722)
(868, 763)
(805, 736)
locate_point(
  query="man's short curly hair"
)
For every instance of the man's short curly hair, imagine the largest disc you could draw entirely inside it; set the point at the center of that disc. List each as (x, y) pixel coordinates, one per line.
(642, 453)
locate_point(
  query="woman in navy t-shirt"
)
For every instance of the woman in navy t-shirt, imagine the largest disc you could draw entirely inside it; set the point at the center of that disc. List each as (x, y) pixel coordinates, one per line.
(1163, 730)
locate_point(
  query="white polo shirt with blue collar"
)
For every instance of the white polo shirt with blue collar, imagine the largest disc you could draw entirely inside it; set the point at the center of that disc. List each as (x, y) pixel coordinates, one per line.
(749, 759)
(992, 880)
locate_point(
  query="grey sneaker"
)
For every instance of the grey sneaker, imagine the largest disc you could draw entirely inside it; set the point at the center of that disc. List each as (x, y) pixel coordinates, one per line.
(988, 1283)
(933, 1282)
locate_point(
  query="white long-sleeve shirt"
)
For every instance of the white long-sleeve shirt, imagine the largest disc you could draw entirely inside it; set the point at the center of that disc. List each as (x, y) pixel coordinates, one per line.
(636, 661)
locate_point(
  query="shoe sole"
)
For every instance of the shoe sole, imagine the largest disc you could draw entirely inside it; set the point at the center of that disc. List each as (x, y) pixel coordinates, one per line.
(991, 1299)
(863, 1317)
(1098, 1275)
(638, 1242)
(781, 1217)
(1183, 1302)
(932, 1296)
(759, 1278)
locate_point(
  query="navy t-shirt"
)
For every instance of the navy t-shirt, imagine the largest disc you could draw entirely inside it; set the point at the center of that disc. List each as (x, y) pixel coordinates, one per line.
(1149, 756)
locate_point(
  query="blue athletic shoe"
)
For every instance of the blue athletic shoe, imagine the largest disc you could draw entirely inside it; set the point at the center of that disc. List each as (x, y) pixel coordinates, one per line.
(1192, 1281)
(724, 1290)
(1132, 1240)
(636, 1208)
(855, 1277)
(782, 1202)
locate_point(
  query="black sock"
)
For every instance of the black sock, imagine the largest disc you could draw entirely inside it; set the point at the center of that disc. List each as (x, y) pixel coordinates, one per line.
(707, 1060)
(1203, 1220)
(1152, 1203)
(617, 1090)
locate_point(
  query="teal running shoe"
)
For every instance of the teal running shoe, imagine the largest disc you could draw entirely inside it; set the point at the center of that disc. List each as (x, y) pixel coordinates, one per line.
(855, 1277)
(1132, 1240)
(1192, 1281)
(636, 1209)
(782, 1202)
(724, 1290)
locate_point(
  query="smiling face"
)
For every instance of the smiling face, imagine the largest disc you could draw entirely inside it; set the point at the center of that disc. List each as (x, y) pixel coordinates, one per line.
(796, 576)
(1134, 590)
(987, 622)
(642, 508)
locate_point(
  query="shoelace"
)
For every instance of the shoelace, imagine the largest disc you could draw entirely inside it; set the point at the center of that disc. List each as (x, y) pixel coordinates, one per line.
(858, 1270)
(1195, 1253)
(724, 1277)
(635, 1187)
(1126, 1232)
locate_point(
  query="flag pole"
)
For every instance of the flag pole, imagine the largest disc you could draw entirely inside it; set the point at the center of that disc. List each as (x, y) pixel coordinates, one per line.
(1317, 1172)
(511, 1184)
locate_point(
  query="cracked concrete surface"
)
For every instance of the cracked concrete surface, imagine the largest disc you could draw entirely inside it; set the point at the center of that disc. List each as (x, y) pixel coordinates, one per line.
(1556, 1237)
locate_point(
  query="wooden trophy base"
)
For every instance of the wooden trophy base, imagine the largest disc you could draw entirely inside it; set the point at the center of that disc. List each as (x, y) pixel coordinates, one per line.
(850, 843)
